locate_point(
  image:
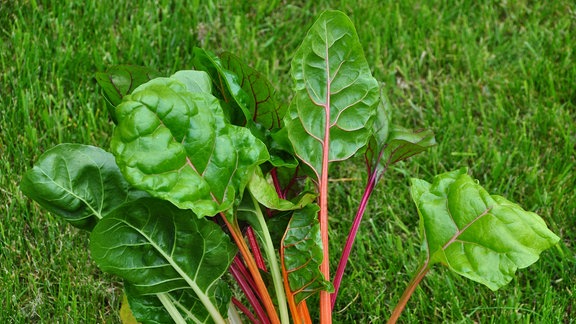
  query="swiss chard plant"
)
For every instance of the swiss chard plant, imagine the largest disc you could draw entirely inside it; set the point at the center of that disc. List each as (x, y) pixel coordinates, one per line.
(212, 204)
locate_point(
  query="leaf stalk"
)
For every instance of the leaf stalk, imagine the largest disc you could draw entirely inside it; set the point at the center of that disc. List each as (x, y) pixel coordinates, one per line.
(325, 301)
(242, 277)
(253, 268)
(420, 274)
(352, 235)
(273, 262)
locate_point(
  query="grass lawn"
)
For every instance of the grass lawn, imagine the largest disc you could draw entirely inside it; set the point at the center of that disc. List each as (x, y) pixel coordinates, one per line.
(496, 81)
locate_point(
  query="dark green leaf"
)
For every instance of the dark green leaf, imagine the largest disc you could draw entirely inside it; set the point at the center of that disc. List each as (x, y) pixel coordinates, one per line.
(80, 183)
(158, 248)
(176, 145)
(281, 151)
(121, 80)
(248, 98)
(335, 93)
(146, 309)
(160, 308)
(264, 108)
(302, 251)
(227, 85)
(477, 235)
(404, 143)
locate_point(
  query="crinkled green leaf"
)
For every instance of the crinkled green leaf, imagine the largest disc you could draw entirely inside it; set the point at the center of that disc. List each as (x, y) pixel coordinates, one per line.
(80, 183)
(158, 248)
(302, 254)
(176, 145)
(480, 236)
(262, 103)
(121, 80)
(335, 93)
(195, 81)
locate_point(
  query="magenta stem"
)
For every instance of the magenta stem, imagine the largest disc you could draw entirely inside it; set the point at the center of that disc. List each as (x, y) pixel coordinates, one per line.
(241, 275)
(253, 243)
(244, 310)
(276, 183)
(352, 235)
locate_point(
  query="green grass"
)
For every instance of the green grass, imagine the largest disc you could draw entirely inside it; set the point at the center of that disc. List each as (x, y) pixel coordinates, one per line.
(495, 80)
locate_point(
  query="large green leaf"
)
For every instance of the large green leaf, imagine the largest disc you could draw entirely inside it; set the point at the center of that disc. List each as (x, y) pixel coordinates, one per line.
(176, 144)
(121, 80)
(335, 93)
(80, 183)
(158, 248)
(302, 254)
(480, 236)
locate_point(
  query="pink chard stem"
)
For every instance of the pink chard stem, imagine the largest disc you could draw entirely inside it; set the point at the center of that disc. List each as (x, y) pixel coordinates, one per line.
(352, 236)
(276, 182)
(375, 176)
(244, 310)
(247, 285)
(253, 243)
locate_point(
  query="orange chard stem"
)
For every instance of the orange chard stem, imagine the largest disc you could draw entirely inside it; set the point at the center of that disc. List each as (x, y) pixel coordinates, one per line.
(253, 268)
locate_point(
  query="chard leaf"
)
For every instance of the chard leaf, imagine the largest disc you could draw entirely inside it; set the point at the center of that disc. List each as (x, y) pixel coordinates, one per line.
(480, 236)
(195, 81)
(146, 309)
(79, 183)
(301, 254)
(335, 94)
(398, 145)
(158, 248)
(165, 307)
(121, 80)
(249, 100)
(227, 85)
(404, 143)
(281, 151)
(264, 192)
(264, 108)
(176, 145)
